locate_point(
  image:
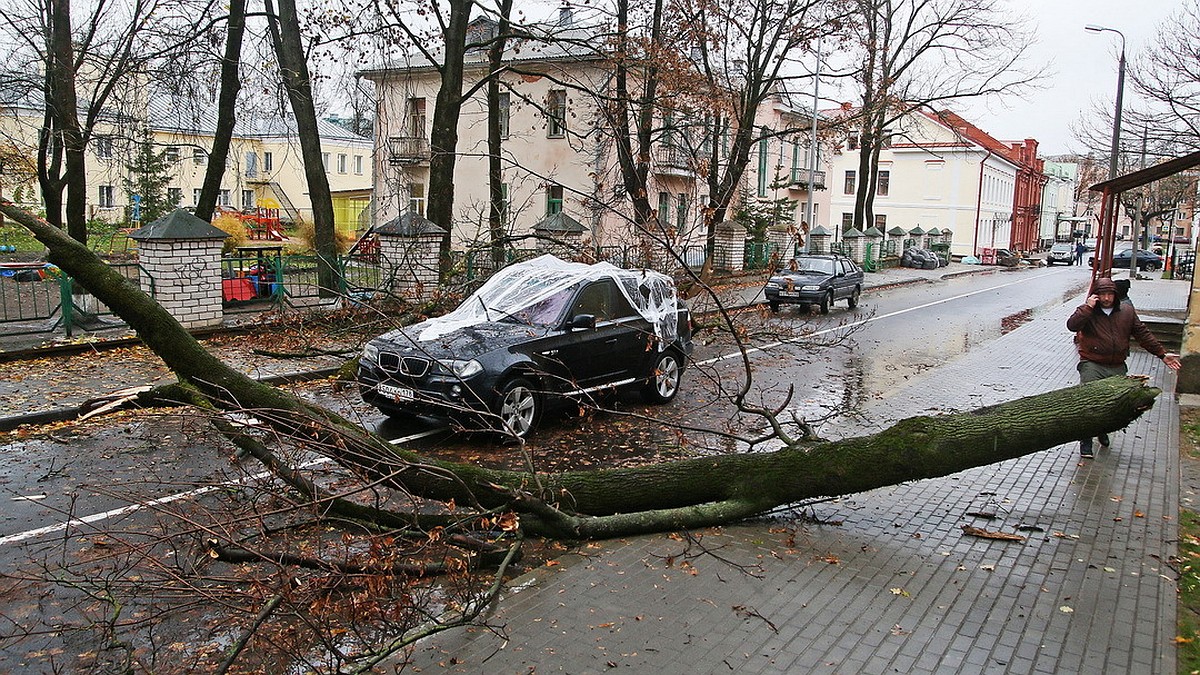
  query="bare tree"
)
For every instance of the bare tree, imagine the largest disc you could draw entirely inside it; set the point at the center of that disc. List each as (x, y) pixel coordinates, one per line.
(926, 54)
(1167, 76)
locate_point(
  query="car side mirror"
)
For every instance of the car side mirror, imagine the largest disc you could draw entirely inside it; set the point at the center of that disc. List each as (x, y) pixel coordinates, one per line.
(582, 321)
(840, 274)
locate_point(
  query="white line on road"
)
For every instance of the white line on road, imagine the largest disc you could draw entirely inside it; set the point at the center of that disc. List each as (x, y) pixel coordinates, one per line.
(98, 517)
(772, 345)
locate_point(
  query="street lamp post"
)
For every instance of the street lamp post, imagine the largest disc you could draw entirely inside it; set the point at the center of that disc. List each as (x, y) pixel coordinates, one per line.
(1116, 134)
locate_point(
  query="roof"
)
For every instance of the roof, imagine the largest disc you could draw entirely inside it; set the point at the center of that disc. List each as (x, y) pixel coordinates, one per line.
(186, 115)
(1148, 175)
(178, 224)
(559, 222)
(409, 224)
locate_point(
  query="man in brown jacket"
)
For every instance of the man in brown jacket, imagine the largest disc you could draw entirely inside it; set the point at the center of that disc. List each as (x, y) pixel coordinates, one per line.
(1102, 328)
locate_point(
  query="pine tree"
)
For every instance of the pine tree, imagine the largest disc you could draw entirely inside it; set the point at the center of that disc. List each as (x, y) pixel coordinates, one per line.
(149, 174)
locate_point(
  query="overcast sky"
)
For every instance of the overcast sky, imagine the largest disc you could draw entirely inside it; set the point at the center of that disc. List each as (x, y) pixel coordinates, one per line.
(1083, 67)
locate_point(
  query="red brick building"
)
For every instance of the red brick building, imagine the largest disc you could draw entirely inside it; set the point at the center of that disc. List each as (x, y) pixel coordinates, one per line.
(1027, 194)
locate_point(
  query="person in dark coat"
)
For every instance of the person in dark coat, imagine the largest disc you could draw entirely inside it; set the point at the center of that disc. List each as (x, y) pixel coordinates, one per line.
(1080, 249)
(1103, 327)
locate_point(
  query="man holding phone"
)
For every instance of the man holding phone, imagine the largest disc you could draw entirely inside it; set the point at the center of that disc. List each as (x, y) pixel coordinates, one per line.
(1102, 328)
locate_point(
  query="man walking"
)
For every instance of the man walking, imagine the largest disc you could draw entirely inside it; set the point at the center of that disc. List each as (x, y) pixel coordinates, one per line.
(1080, 249)
(1102, 328)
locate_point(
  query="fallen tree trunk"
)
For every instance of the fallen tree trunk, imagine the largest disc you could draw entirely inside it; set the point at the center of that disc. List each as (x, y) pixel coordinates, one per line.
(616, 502)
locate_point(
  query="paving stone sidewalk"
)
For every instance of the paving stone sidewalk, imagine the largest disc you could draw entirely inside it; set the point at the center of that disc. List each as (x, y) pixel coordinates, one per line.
(885, 581)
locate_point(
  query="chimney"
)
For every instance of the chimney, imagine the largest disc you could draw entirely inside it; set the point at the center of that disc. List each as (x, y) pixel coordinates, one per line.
(564, 16)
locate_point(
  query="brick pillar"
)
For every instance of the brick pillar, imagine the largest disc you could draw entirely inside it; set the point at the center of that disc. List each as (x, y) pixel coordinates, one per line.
(818, 239)
(782, 240)
(409, 248)
(918, 237)
(856, 242)
(181, 255)
(730, 247)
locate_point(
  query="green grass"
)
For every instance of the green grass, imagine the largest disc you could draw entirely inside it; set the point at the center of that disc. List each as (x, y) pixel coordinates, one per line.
(12, 234)
(1188, 629)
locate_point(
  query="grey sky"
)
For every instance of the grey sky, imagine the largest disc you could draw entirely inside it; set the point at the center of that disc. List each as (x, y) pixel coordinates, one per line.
(1083, 67)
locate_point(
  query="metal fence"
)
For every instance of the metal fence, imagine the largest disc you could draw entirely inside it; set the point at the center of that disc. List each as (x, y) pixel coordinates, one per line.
(40, 298)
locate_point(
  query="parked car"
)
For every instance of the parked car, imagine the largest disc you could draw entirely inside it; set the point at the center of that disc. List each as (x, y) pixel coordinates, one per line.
(815, 280)
(1147, 261)
(534, 334)
(1060, 253)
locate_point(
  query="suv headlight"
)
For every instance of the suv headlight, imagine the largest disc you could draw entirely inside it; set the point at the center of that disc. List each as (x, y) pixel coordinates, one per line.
(810, 287)
(370, 354)
(461, 368)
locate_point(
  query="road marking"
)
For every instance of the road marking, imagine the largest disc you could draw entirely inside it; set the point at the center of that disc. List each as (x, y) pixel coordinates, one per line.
(772, 345)
(98, 517)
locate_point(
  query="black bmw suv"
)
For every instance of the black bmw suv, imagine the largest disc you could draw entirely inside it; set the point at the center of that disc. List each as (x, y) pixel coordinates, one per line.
(535, 333)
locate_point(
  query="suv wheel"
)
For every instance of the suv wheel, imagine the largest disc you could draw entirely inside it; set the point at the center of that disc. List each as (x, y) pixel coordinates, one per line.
(852, 301)
(519, 408)
(663, 383)
(826, 302)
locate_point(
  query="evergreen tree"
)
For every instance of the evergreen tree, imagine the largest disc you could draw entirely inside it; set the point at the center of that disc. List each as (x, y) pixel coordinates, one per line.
(148, 175)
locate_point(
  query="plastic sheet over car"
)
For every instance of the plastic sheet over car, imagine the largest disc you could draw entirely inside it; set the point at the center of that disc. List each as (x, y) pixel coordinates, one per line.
(519, 287)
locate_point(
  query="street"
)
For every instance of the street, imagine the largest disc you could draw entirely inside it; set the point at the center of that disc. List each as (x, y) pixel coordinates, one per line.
(831, 363)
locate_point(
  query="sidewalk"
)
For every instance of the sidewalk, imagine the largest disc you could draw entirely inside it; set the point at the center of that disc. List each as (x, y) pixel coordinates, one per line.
(885, 581)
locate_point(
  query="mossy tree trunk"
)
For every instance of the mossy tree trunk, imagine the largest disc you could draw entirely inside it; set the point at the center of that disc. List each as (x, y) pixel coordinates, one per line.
(616, 502)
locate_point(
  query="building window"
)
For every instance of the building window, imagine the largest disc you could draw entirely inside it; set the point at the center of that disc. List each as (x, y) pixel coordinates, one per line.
(358, 165)
(852, 140)
(881, 222)
(664, 208)
(199, 155)
(325, 161)
(251, 164)
(416, 197)
(268, 161)
(847, 221)
(881, 183)
(171, 154)
(195, 196)
(796, 162)
(681, 211)
(341, 162)
(849, 187)
(104, 147)
(762, 166)
(248, 199)
(503, 114)
(415, 121)
(174, 196)
(107, 197)
(556, 113)
(554, 199)
(223, 198)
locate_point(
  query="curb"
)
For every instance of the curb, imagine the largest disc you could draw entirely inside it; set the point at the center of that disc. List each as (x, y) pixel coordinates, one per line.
(66, 414)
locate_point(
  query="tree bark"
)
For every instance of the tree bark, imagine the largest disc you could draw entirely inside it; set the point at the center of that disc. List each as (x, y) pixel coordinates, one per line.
(443, 138)
(285, 35)
(231, 84)
(689, 493)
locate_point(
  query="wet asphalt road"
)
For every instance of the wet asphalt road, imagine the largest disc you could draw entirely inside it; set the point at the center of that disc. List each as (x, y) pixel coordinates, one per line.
(828, 363)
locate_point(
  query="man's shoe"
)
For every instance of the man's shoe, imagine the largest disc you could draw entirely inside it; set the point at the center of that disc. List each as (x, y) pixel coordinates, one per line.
(1103, 440)
(1085, 449)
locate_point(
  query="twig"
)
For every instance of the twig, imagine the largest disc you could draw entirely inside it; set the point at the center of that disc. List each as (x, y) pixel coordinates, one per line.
(238, 646)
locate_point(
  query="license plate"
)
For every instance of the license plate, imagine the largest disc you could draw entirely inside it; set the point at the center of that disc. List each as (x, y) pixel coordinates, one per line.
(789, 294)
(397, 393)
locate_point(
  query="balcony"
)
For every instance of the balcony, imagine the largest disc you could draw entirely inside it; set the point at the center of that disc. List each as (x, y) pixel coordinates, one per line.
(805, 179)
(407, 150)
(672, 161)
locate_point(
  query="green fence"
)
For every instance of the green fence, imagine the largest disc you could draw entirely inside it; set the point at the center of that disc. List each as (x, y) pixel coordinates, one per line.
(40, 298)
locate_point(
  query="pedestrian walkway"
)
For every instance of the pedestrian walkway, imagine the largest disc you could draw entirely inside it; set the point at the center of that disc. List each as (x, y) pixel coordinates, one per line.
(886, 581)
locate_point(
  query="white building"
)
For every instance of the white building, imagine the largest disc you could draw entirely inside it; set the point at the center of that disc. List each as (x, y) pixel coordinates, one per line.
(936, 171)
(1058, 202)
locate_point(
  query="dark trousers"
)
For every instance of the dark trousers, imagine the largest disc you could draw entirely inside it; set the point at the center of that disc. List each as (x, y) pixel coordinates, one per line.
(1090, 371)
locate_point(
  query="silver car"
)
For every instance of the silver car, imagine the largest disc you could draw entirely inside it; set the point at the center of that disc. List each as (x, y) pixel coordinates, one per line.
(1061, 253)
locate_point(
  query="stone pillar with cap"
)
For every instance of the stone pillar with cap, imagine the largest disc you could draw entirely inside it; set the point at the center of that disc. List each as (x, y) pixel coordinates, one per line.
(855, 243)
(818, 239)
(918, 236)
(181, 256)
(560, 235)
(874, 240)
(409, 249)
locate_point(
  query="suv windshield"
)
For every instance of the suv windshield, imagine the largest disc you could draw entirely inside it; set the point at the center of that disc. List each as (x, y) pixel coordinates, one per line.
(545, 312)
